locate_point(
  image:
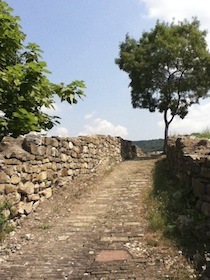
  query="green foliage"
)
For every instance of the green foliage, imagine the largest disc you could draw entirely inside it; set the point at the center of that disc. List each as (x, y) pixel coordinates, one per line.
(169, 68)
(5, 227)
(166, 203)
(3, 206)
(203, 134)
(149, 146)
(44, 226)
(172, 199)
(11, 36)
(24, 87)
(156, 220)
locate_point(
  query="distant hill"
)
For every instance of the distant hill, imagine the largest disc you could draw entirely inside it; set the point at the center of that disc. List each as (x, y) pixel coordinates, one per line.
(149, 146)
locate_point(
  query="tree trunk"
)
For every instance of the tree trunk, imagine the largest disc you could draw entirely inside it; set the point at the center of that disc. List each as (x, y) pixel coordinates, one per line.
(166, 132)
(165, 138)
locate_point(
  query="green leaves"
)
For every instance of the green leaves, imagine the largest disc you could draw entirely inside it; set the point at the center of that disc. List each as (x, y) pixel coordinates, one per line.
(11, 36)
(24, 86)
(70, 92)
(23, 114)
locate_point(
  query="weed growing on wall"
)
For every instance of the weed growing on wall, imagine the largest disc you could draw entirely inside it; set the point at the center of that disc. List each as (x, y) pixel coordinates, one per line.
(169, 200)
(5, 213)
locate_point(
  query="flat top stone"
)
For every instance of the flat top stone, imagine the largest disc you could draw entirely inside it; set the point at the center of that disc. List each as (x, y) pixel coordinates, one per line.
(112, 255)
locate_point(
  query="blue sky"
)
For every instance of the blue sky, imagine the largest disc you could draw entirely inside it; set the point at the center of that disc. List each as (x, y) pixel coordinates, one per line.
(80, 40)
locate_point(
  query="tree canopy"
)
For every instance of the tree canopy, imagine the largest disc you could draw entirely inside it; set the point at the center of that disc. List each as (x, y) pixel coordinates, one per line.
(169, 68)
(24, 86)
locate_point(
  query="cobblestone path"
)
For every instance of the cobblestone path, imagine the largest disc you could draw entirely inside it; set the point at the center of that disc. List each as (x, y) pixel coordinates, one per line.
(98, 236)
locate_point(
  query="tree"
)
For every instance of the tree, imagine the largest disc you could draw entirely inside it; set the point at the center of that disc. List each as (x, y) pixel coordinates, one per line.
(169, 68)
(24, 87)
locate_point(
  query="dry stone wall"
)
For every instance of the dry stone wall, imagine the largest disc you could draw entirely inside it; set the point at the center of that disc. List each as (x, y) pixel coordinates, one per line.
(32, 165)
(190, 159)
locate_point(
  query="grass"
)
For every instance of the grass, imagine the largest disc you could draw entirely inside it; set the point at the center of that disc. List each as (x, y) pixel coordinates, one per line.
(169, 203)
(5, 214)
(204, 134)
(44, 226)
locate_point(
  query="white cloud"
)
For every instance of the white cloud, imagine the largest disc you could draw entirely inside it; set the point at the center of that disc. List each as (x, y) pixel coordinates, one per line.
(179, 10)
(89, 116)
(100, 126)
(197, 120)
(62, 131)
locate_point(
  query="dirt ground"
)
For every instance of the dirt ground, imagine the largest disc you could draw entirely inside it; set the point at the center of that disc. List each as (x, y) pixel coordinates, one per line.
(93, 229)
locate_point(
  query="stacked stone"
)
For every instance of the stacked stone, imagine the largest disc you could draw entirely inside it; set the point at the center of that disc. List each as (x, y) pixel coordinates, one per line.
(137, 152)
(32, 165)
(190, 159)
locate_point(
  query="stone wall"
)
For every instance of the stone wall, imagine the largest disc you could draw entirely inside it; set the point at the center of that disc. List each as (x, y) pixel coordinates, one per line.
(190, 159)
(32, 165)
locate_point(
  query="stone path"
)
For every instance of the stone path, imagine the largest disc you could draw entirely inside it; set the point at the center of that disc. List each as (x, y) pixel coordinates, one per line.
(99, 236)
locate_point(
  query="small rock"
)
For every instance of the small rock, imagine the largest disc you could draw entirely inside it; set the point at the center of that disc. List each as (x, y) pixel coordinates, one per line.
(18, 246)
(27, 188)
(35, 205)
(91, 252)
(10, 189)
(2, 259)
(63, 237)
(28, 236)
(15, 179)
(47, 193)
